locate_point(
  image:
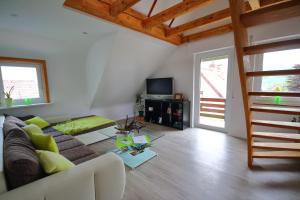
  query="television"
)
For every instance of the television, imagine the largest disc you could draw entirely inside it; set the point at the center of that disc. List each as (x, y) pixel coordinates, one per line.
(159, 86)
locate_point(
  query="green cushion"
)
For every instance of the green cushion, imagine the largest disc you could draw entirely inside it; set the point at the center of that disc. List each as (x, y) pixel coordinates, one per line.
(44, 142)
(53, 162)
(33, 129)
(37, 121)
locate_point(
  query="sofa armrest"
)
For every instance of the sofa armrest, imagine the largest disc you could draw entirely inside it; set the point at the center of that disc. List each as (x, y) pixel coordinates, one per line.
(102, 178)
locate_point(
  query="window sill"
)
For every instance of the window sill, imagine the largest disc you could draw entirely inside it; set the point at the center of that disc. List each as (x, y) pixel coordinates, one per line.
(3, 107)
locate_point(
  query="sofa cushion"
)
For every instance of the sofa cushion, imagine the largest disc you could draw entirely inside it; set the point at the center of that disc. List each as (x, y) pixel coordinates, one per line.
(21, 164)
(77, 152)
(69, 144)
(9, 127)
(14, 120)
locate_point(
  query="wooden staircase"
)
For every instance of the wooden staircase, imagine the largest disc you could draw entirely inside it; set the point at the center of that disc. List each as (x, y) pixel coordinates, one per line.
(275, 145)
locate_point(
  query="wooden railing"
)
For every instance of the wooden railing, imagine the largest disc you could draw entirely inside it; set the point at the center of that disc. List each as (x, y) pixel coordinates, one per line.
(212, 107)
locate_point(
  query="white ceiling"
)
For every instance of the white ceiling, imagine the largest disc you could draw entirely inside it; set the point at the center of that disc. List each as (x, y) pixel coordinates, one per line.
(48, 18)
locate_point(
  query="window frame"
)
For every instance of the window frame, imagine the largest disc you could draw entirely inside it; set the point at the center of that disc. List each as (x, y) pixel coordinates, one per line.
(257, 81)
(41, 68)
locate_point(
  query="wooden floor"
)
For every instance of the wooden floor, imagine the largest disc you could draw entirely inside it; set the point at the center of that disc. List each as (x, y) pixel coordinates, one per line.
(198, 164)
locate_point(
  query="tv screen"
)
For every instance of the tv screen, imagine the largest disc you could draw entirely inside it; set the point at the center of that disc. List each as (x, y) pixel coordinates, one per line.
(162, 86)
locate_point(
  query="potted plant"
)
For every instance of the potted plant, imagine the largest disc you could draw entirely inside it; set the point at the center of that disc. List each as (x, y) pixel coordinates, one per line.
(8, 99)
(139, 105)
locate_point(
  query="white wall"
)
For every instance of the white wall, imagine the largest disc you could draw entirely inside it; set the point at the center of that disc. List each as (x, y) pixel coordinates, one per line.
(65, 66)
(180, 66)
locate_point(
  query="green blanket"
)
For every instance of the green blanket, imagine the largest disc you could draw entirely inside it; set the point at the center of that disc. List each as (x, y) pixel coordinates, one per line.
(77, 126)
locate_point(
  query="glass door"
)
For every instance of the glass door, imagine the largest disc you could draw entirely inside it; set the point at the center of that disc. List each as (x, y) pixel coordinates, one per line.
(212, 89)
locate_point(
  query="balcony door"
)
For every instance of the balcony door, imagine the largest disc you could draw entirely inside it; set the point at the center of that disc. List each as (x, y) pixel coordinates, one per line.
(212, 88)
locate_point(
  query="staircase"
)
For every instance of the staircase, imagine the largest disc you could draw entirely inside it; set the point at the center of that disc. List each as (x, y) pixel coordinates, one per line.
(276, 145)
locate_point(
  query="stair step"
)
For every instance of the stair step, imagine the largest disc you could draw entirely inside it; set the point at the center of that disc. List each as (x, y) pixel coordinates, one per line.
(286, 94)
(274, 73)
(277, 124)
(271, 13)
(277, 146)
(276, 154)
(294, 137)
(276, 109)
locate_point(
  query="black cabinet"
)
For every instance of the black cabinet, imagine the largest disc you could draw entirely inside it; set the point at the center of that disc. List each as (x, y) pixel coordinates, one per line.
(170, 113)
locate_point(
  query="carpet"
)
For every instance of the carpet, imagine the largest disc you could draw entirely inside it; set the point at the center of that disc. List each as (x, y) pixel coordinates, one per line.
(91, 137)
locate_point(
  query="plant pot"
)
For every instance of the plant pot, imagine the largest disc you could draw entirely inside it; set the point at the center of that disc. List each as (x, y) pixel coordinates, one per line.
(8, 102)
(141, 113)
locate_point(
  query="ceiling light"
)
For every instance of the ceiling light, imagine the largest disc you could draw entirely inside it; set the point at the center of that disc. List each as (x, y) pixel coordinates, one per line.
(84, 33)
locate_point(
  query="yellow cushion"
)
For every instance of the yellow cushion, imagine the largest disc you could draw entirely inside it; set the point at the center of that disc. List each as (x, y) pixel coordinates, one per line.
(33, 129)
(37, 121)
(44, 142)
(53, 162)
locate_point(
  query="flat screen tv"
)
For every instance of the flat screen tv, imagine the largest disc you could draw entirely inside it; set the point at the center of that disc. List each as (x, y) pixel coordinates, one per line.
(160, 86)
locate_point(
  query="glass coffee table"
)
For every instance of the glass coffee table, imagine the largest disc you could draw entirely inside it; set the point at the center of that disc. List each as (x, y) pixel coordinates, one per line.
(134, 150)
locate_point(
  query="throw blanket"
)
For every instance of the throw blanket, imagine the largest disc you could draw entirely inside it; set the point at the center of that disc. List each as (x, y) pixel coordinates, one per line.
(80, 125)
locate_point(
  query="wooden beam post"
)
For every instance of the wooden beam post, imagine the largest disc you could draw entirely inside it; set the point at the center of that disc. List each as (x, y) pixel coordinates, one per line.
(241, 41)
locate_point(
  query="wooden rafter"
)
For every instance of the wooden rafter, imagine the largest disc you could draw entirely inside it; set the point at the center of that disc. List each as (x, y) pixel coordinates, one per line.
(174, 11)
(209, 33)
(275, 12)
(129, 18)
(119, 6)
(219, 15)
(255, 4)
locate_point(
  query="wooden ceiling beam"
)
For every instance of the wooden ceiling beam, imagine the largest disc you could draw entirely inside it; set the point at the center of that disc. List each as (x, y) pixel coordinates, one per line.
(129, 19)
(174, 11)
(209, 33)
(219, 15)
(275, 12)
(254, 4)
(211, 18)
(119, 6)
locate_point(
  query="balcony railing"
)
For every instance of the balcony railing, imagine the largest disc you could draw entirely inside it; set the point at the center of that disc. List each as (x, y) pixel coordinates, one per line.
(212, 107)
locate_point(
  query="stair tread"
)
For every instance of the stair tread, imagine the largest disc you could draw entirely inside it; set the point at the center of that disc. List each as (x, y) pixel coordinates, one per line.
(277, 145)
(288, 94)
(276, 154)
(276, 109)
(277, 124)
(274, 72)
(282, 136)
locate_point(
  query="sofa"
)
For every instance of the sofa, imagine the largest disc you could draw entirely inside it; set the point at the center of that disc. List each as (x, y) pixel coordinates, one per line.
(93, 178)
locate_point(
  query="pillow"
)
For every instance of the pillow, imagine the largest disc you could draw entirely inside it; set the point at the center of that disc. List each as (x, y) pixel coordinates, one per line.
(37, 121)
(33, 129)
(53, 162)
(21, 164)
(44, 142)
(12, 119)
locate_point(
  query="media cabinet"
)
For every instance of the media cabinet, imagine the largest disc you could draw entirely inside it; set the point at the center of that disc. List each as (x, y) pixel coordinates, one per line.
(168, 112)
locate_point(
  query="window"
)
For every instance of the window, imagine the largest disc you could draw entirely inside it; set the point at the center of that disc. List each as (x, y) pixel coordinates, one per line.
(279, 60)
(26, 78)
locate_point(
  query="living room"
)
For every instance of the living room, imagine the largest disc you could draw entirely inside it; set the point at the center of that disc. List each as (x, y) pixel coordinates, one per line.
(122, 73)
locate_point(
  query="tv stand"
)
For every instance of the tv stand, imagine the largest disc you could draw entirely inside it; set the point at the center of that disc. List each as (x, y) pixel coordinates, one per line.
(168, 112)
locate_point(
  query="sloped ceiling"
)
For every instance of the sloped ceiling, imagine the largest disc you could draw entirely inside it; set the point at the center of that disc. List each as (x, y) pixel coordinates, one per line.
(132, 59)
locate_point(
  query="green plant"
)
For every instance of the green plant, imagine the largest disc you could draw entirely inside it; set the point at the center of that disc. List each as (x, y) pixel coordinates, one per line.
(8, 94)
(139, 103)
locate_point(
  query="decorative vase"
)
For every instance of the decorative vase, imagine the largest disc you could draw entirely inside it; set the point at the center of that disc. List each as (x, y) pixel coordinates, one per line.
(8, 102)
